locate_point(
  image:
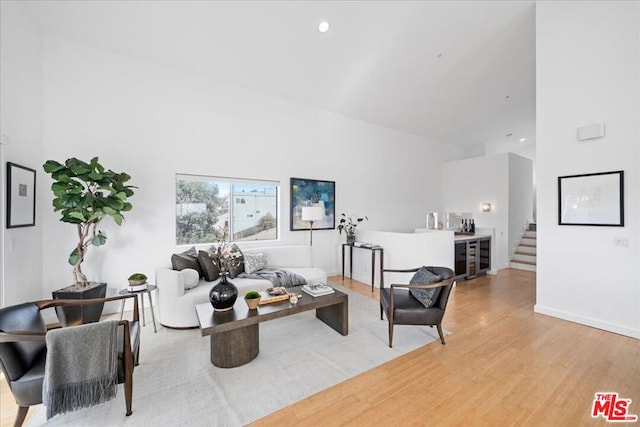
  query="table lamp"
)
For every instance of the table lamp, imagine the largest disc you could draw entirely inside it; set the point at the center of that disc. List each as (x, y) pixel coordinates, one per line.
(311, 214)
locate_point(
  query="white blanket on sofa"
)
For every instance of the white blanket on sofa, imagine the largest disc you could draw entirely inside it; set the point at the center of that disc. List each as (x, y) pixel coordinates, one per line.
(277, 276)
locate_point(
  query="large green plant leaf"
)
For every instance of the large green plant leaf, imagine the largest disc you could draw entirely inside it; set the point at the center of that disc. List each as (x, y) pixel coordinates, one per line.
(73, 257)
(118, 218)
(77, 215)
(99, 240)
(52, 166)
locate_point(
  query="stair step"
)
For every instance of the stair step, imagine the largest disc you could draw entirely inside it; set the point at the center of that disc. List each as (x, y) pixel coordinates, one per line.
(529, 250)
(530, 234)
(522, 266)
(524, 258)
(528, 242)
(530, 254)
(524, 262)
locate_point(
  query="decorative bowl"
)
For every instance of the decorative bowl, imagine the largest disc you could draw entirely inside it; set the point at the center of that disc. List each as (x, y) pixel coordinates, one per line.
(281, 290)
(138, 282)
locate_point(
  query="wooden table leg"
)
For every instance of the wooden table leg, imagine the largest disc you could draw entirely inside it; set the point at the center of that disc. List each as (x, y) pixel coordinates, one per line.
(336, 316)
(236, 347)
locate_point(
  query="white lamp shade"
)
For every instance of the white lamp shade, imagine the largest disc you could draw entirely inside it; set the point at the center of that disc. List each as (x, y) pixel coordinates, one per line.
(312, 213)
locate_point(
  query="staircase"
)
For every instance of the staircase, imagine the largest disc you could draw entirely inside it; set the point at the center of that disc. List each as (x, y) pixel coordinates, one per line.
(524, 258)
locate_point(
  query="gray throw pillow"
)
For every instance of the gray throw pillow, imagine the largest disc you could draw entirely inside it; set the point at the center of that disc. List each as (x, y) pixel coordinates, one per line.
(427, 297)
(210, 270)
(254, 262)
(186, 259)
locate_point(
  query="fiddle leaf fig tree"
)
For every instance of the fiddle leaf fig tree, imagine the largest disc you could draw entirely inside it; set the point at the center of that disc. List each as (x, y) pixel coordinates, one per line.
(86, 193)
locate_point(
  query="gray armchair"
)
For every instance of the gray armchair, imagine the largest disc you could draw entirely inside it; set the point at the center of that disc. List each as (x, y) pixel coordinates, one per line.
(23, 349)
(401, 308)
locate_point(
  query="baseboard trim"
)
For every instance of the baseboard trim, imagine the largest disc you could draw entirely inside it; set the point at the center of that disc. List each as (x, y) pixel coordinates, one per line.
(587, 321)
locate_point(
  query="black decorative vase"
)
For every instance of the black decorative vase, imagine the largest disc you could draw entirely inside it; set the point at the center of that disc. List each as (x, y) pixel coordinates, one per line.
(223, 294)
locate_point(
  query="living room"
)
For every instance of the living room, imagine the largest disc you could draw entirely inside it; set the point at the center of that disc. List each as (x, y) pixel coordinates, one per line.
(63, 98)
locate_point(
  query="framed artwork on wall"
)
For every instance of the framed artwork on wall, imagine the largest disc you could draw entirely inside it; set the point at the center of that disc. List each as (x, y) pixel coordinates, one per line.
(591, 199)
(21, 196)
(313, 192)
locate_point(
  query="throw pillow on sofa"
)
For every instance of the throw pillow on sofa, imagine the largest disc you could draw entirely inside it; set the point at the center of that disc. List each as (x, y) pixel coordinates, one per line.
(427, 297)
(210, 270)
(254, 262)
(190, 277)
(186, 259)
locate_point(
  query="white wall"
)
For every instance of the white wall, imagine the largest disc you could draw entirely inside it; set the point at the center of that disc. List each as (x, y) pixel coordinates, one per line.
(401, 251)
(21, 124)
(469, 183)
(153, 122)
(588, 56)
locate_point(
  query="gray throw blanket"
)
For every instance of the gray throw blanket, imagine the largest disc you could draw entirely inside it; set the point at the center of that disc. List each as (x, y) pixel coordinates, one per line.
(81, 368)
(276, 276)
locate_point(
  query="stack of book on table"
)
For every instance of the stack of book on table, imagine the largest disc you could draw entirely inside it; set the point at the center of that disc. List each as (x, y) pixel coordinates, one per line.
(367, 245)
(317, 289)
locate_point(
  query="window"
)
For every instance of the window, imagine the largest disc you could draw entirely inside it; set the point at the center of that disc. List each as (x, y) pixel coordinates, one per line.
(206, 206)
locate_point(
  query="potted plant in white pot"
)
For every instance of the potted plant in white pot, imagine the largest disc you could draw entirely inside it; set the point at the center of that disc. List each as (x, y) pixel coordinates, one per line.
(349, 224)
(85, 194)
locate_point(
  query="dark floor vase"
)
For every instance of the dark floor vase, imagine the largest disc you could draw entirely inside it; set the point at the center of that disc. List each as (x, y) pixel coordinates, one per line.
(69, 316)
(223, 294)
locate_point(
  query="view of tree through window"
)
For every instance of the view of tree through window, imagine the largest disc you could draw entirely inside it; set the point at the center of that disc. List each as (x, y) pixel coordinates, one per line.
(206, 205)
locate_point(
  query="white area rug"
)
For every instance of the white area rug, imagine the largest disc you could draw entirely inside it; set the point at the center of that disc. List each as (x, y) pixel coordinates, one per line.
(176, 384)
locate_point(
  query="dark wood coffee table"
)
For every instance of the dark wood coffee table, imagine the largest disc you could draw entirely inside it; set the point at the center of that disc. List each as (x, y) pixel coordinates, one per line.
(235, 338)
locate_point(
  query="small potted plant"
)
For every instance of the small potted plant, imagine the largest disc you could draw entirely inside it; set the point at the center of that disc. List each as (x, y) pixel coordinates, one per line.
(252, 298)
(349, 224)
(137, 280)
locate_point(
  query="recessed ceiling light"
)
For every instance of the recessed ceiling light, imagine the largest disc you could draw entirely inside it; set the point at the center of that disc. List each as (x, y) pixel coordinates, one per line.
(523, 139)
(323, 27)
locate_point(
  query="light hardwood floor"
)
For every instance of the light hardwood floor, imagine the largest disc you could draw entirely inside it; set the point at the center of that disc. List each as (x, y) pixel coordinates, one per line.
(502, 365)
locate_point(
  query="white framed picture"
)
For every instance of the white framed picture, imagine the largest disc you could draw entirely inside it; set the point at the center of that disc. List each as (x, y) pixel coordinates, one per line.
(591, 199)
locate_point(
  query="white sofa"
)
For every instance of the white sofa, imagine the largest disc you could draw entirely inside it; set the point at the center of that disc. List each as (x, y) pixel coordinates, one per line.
(176, 306)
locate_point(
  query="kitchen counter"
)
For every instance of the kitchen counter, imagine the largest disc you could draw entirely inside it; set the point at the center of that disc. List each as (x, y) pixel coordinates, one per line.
(464, 237)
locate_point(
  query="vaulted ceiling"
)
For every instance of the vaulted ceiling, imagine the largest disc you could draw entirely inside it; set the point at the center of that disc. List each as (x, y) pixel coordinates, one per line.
(457, 72)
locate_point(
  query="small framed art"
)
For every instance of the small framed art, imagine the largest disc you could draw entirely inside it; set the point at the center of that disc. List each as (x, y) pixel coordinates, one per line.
(21, 196)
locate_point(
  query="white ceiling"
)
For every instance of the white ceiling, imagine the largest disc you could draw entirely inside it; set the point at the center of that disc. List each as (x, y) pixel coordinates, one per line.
(453, 71)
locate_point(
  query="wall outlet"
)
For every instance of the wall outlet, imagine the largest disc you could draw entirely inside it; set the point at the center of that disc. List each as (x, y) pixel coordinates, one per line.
(111, 291)
(621, 242)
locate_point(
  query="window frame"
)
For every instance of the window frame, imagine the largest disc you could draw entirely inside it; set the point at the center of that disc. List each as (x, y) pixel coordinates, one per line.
(230, 197)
